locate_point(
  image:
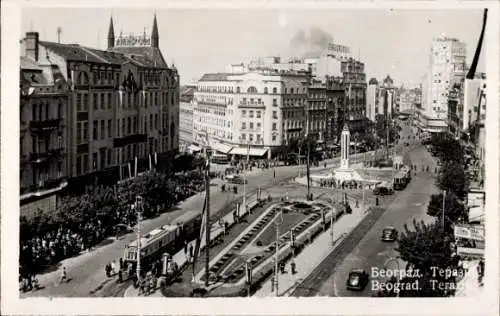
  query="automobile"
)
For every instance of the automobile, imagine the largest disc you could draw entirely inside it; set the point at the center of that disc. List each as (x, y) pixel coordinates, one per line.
(389, 234)
(357, 280)
(235, 179)
(382, 191)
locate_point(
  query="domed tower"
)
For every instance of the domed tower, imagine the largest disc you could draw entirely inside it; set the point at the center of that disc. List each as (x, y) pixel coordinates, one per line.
(155, 37)
(111, 34)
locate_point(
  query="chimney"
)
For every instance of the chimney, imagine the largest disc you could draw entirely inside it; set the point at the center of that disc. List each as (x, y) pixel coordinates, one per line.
(31, 45)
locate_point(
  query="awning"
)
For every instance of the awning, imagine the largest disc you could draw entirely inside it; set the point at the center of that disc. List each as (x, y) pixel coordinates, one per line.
(223, 148)
(244, 150)
(193, 148)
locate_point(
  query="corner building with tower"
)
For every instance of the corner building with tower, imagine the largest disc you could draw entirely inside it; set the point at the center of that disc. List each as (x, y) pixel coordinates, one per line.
(120, 105)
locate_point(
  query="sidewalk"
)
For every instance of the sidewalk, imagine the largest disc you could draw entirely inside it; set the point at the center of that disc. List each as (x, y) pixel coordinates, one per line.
(313, 255)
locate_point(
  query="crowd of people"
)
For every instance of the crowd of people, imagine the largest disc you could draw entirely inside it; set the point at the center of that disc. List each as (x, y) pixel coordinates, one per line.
(45, 242)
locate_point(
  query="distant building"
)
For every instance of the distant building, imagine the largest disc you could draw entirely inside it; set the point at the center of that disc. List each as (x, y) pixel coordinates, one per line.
(447, 68)
(354, 82)
(123, 101)
(186, 116)
(372, 99)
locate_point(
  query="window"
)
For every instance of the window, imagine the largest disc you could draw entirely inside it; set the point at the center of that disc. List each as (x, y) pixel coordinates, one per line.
(109, 157)
(275, 102)
(109, 100)
(275, 115)
(129, 125)
(93, 100)
(243, 136)
(78, 133)
(109, 130)
(94, 161)
(94, 135)
(258, 114)
(238, 90)
(243, 125)
(252, 90)
(78, 165)
(85, 163)
(251, 125)
(275, 90)
(102, 129)
(243, 113)
(265, 90)
(258, 137)
(274, 127)
(274, 138)
(124, 127)
(85, 131)
(250, 114)
(151, 121)
(85, 102)
(258, 125)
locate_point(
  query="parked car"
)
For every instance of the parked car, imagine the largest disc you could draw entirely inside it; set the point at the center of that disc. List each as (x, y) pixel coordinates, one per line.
(357, 280)
(382, 191)
(389, 234)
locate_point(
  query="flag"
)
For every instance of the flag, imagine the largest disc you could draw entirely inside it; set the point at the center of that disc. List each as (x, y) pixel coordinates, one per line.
(201, 236)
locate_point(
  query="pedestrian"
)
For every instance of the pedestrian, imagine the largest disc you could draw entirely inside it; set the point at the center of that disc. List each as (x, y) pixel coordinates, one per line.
(121, 263)
(272, 283)
(191, 253)
(107, 268)
(120, 276)
(64, 275)
(292, 267)
(185, 246)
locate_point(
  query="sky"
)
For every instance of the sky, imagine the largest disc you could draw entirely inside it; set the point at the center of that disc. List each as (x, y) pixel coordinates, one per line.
(389, 42)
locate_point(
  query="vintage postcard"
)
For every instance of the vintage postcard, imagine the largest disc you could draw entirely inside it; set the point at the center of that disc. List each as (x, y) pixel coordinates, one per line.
(250, 157)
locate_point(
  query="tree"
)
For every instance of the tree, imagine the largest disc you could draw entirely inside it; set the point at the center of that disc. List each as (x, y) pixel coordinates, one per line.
(453, 178)
(455, 211)
(447, 148)
(427, 250)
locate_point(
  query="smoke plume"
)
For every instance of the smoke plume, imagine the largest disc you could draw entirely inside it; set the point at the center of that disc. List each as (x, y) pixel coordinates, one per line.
(310, 42)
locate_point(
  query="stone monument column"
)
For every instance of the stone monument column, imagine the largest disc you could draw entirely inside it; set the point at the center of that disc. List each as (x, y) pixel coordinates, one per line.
(345, 144)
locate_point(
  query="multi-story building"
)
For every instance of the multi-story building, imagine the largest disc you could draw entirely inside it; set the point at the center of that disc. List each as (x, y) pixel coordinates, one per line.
(354, 81)
(335, 95)
(261, 109)
(123, 101)
(446, 68)
(317, 110)
(186, 116)
(372, 99)
(43, 134)
(408, 99)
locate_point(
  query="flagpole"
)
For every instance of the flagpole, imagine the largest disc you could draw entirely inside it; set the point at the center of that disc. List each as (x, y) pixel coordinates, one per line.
(207, 214)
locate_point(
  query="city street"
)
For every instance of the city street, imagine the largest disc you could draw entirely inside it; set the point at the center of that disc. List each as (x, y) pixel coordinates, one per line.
(363, 248)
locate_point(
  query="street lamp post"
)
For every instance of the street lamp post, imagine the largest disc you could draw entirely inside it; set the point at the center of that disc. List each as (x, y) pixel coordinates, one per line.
(276, 254)
(245, 177)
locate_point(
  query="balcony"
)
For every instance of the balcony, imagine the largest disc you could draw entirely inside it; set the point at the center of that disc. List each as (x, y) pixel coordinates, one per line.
(46, 125)
(253, 105)
(47, 156)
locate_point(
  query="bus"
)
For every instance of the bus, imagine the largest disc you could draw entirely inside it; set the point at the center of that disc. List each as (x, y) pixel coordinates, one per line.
(402, 178)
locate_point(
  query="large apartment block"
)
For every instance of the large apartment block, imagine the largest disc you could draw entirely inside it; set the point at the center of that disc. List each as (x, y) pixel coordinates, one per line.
(118, 104)
(242, 109)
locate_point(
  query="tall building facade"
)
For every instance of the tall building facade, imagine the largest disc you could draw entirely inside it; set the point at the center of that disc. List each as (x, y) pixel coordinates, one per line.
(44, 105)
(354, 81)
(317, 110)
(372, 99)
(256, 109)
(123, 101)
(186, 116)
(447, 66)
